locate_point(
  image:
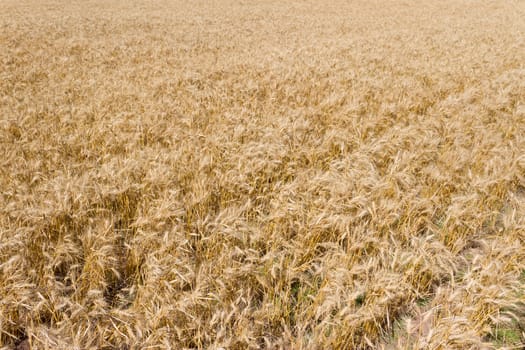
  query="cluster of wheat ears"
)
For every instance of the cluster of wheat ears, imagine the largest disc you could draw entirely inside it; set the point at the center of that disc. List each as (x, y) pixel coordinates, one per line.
(259, 174)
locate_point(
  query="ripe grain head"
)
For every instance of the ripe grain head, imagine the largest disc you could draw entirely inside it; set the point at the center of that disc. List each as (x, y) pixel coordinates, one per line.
(239, 174)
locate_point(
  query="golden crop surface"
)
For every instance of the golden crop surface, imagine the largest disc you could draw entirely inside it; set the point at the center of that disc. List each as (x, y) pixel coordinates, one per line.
(242, 174)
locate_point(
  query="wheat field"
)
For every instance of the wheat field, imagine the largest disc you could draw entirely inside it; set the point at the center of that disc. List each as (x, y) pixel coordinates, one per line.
(243, 174)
